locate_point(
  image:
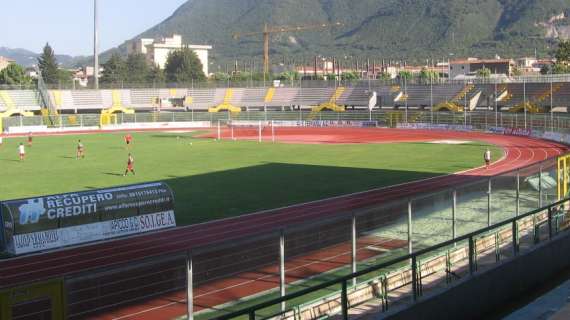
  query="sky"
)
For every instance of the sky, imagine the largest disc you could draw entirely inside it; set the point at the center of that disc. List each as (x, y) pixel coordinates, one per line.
(68, 24)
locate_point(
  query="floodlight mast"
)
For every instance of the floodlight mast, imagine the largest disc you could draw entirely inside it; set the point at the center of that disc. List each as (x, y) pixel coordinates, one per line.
(95, 45)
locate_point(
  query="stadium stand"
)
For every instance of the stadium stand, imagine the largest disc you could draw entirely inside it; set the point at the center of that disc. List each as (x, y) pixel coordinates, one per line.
(425, 95)
(87, 99)
(143, 98)
(313, 97)
(285, 97)
(112, 98)
(202, 99)
(63, 100)
(227, 101)
(254, 97)
(354, 97)
(519, 93)
(19, 99)
(450, 96)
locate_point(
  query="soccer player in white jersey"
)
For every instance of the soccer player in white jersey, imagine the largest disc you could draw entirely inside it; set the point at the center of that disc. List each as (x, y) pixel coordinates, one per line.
(487, 157)
(22, 151)
(80, 150)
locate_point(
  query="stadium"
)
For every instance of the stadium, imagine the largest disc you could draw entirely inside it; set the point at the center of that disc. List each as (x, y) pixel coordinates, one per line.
(337, 197)
(151, 187)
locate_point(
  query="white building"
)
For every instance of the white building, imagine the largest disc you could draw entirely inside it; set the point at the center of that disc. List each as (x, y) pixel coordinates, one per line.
(5, 62)
(458, 69)
(157, 51)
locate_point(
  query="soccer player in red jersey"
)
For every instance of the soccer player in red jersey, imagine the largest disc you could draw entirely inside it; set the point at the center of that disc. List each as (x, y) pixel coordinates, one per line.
(130, 165)
(30, 139)
(128, 140)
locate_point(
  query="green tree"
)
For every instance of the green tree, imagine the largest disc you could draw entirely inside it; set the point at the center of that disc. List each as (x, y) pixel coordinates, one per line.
(427, 75)
(48, 65)
(14, 74)
(385, 76)
(407, 75)
(156, 75)
(517, 71)
(349, 76)
(221, 76)
(484, 73)
(560, 68)
(241, 76)
(562, 54)
(288, 76)
(184, 66)
(64, 76)
(114, 70)
(138, 70)
(546, 69)
(258, 76)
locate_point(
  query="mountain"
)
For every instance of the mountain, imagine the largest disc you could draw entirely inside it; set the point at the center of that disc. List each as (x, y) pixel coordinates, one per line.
(28, 58)
(390, 29)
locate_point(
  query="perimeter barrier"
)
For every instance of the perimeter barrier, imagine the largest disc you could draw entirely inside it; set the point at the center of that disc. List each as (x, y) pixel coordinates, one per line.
(478, 120)
(369, 245)
(415, 275)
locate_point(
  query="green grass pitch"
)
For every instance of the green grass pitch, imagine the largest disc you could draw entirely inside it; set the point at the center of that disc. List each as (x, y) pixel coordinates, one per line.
(213, 180)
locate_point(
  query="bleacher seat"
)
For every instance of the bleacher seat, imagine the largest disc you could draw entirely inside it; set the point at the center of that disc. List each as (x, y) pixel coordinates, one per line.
(202, 99)
(143, 98)
(27, 100)
(87, 99)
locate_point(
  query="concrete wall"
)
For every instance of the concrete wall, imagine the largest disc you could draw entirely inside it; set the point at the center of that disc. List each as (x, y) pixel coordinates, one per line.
(489, 290)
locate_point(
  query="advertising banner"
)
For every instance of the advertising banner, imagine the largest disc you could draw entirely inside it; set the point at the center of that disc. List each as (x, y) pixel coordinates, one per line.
(433, 126)
(521, 132)
(57, 238)
(66, 219)
(326, 123)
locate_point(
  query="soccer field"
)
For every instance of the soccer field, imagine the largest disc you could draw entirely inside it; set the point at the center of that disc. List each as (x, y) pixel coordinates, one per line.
(213, 179)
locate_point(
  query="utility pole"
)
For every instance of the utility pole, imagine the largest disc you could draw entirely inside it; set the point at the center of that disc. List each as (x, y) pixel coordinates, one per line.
(95, 45)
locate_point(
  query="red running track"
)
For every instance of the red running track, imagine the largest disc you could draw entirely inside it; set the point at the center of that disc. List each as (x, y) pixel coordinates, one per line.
(519, 152)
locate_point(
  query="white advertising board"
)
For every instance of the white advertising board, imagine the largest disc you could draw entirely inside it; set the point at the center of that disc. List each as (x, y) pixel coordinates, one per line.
(50, 239)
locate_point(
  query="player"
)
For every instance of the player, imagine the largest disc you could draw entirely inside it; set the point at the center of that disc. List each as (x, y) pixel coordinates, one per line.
(30, 139)
(22, 151)
(1, 140)
(130, 165)
(128, 140)
(487, 158)
(80, 150)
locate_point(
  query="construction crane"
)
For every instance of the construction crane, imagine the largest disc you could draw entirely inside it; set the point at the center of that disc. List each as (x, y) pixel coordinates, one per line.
(267, 31)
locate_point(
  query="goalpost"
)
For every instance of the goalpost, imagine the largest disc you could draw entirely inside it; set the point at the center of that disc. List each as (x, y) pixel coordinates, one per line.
(246, 130)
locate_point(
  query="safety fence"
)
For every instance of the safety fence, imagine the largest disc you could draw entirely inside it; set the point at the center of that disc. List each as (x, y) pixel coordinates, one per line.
(480, 120)
(297, 82)
(415, 275)
(312, 261)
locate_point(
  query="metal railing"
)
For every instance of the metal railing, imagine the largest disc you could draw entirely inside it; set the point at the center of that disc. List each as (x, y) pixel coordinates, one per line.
(480, 120)
(367, 236)
(413, 259)
(307, 83)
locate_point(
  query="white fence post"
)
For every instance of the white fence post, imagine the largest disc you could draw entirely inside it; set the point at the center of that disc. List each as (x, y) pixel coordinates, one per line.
(219, 131)
(410, 245)
(282, 283)
(189, 287)
(272, 131)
